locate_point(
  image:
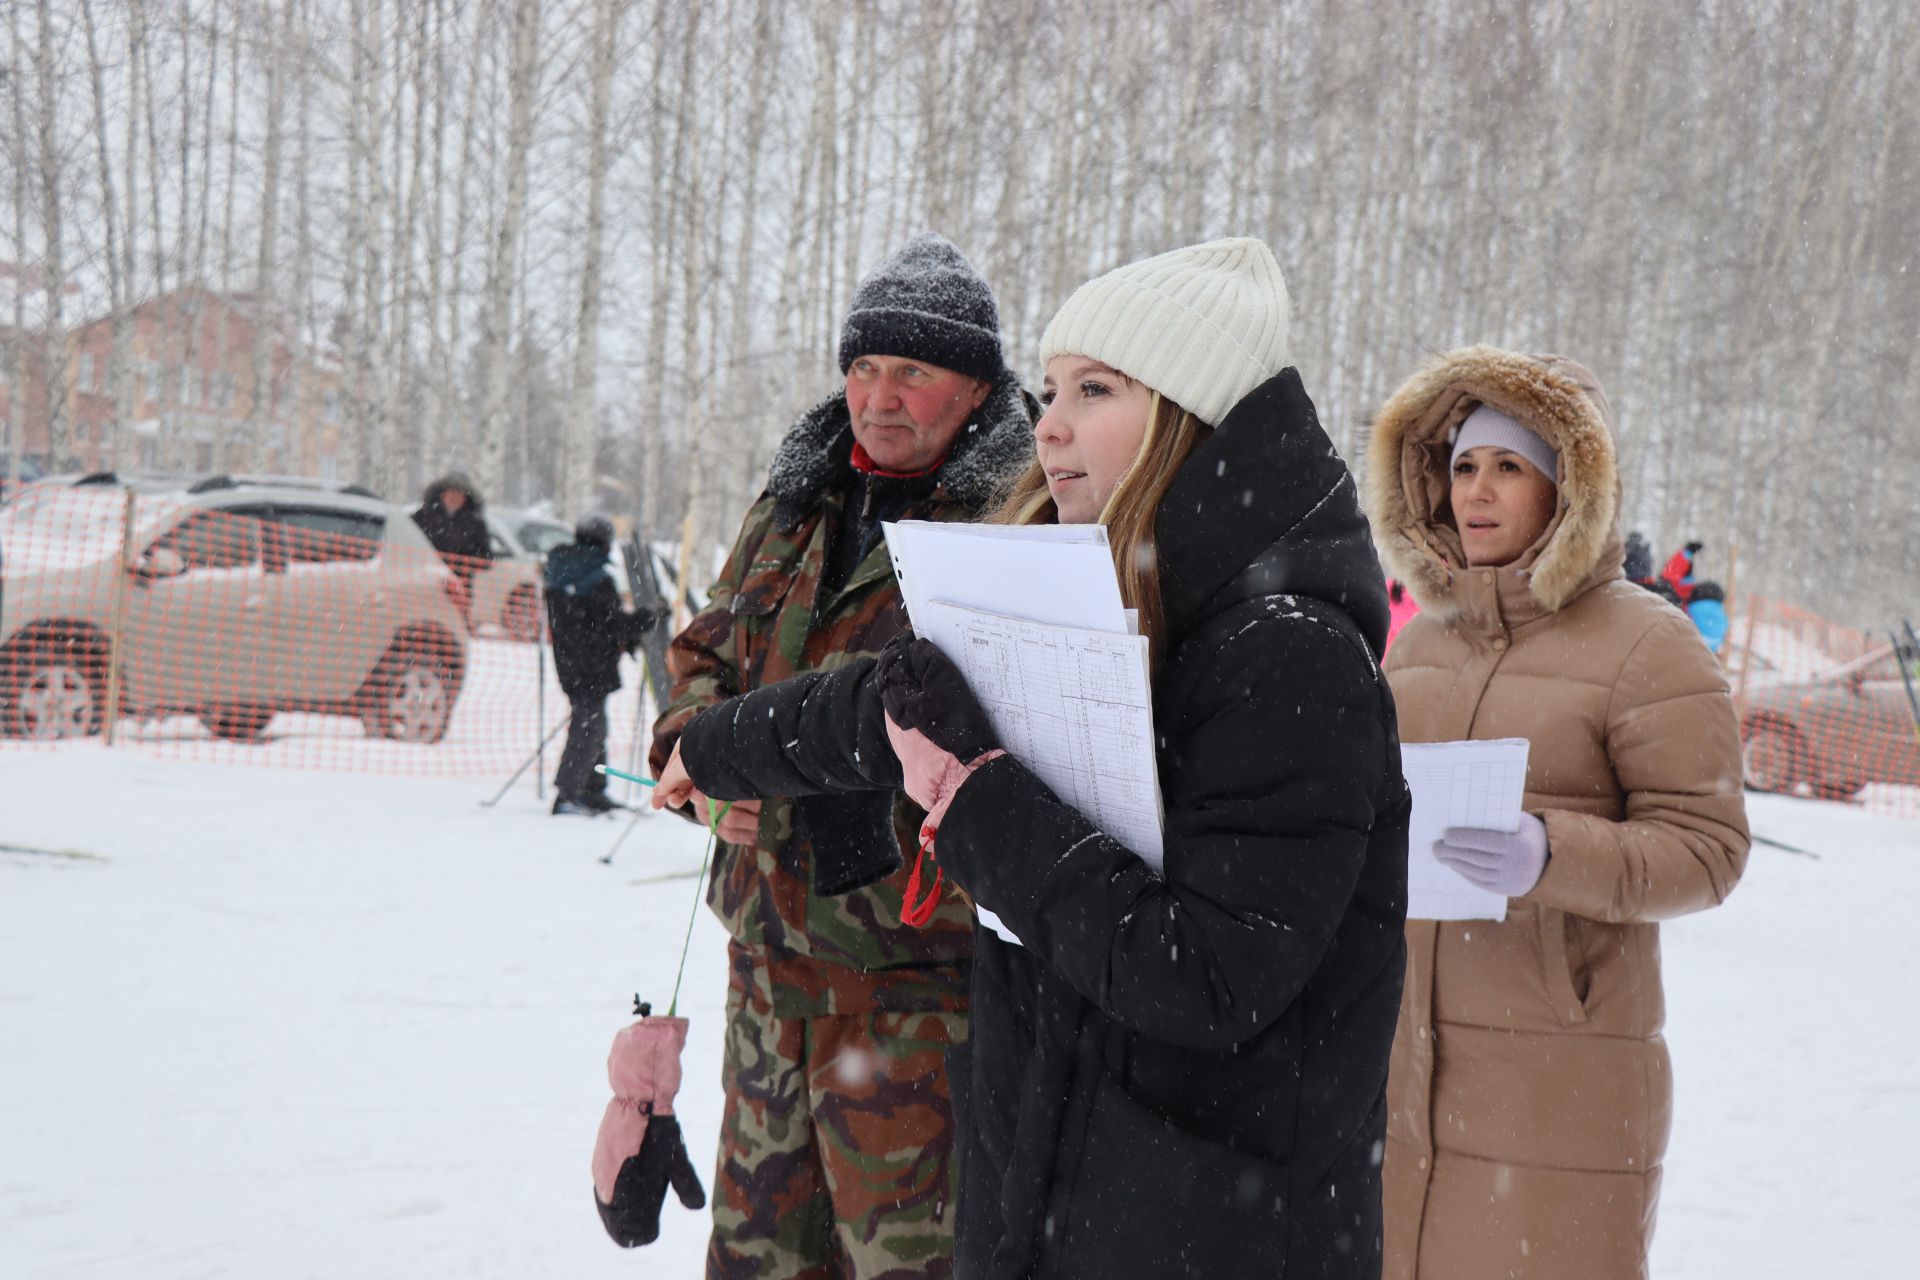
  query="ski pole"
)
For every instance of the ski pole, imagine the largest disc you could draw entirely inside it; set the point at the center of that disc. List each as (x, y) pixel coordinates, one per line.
(537, 754)
(634, 821)
(1906, 678)
(638, 814)
(1783, 846)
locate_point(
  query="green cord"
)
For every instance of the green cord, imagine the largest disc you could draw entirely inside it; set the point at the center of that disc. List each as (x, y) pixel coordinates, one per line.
(699, 886)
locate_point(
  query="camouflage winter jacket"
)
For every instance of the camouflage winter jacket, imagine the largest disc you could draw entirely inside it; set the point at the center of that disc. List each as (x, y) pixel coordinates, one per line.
(767, 620)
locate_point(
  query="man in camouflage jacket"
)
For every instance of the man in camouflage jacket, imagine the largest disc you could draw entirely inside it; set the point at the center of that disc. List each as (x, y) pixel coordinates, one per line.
(836, 1147)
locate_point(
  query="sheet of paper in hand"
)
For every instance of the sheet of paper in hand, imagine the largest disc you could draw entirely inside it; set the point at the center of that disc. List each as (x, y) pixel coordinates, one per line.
(1458, 784)
(1032, 615)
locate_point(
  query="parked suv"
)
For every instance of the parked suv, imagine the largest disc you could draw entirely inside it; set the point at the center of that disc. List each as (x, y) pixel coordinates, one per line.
(241, 597)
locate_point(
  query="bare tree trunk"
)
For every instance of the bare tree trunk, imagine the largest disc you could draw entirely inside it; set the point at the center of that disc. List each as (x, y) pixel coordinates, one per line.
(452, 402)
(376, 323)
(59, 446)
(304, 365)
(400, 352)
(262, 397)
(490, 456)
(436, 406)
(217, 387)
(117, 281)
(577, 451)
(693, 413)
(749, 376)
(17, 347)
(165, 442)
(350, 324)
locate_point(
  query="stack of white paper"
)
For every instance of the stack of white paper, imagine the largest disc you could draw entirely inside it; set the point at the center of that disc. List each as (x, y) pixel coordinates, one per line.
(1458, 784)
(1032, 615)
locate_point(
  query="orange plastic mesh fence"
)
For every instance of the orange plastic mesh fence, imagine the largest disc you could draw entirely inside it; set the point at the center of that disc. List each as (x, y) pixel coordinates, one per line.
(1825, 710)
(320, 630)
(307, 630)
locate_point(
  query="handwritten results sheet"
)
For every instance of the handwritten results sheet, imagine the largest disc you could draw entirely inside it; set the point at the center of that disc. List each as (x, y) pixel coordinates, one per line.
(1032, 616)
(1458, 784)
(1075, 706)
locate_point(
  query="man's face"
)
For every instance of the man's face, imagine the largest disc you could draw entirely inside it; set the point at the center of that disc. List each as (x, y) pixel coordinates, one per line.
(452, 499)
(906, 412)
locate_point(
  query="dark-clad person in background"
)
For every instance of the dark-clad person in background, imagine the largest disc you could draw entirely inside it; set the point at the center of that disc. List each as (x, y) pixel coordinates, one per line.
(590, 632)
(452, 515)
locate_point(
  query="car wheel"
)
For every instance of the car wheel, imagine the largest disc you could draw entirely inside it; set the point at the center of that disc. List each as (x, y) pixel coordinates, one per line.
(412, 698)
(237, 724)
(1774, 758)
(520, 616)
(57, 692)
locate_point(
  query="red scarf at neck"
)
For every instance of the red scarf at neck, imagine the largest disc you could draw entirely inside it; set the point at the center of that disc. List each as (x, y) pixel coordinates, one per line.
(863, 463)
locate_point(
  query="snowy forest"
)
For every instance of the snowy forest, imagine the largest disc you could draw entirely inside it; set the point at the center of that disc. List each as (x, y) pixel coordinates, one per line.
(583, 247)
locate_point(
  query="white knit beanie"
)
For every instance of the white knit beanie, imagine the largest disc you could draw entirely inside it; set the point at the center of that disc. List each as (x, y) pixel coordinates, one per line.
(1203, 325)
(1487, 425)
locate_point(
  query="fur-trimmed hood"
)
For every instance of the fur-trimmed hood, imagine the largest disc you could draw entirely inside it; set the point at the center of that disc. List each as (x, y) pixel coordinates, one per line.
(991, 451)
(1408, 476)
(430, 496)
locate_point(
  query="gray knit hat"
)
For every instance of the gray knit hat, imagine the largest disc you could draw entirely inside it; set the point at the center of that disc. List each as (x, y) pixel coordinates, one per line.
(926, 302)
(1203, 325)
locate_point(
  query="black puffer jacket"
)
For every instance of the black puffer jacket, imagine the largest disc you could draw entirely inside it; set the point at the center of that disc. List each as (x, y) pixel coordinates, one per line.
(460, 533)
(590, 629)
(1181, 1076)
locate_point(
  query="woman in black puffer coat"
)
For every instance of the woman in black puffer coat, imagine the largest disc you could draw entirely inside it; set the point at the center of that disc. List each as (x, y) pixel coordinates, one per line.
(1178, 1075)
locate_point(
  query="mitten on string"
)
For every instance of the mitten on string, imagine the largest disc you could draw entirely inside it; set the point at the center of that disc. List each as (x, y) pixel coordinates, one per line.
(640, 1151)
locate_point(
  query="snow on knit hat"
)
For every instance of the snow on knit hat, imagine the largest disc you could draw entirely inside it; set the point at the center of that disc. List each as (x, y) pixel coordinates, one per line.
(1487, 425)
(1203, 325)
(926, 302)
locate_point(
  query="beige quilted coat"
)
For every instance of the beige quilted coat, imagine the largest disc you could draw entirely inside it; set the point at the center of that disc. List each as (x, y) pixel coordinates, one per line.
(1530, 1091)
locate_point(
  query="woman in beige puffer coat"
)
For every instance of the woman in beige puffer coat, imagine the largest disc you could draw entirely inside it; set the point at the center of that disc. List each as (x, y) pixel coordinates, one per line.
(1530, 1094)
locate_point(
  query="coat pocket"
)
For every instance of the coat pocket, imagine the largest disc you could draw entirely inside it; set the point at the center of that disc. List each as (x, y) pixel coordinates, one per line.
(1150, 1199)
(1556, 962)
(765, 585)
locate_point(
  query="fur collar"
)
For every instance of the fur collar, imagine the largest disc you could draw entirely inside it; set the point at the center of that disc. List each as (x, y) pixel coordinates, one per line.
(1407, 475)
(992, 449)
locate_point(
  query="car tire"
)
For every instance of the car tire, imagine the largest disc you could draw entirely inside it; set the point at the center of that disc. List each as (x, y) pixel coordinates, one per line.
(1774, 757)
(411, 696)
(55, 688)
(237, 724)
(520, 615)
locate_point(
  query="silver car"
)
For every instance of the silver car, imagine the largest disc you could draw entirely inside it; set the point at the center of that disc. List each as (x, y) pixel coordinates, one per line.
(238, 598)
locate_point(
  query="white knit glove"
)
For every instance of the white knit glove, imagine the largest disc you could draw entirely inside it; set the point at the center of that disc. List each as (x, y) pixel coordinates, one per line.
(1503, 862)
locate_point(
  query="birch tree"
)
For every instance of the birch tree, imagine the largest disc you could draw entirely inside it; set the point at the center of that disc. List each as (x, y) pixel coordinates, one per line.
(495, 353)
(576, 489)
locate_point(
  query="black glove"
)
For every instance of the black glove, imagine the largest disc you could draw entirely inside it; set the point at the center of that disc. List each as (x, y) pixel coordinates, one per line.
(641, 1189)
(922, 689)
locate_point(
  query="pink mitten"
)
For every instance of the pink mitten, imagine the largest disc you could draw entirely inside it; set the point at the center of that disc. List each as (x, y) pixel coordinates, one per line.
(640, 1150)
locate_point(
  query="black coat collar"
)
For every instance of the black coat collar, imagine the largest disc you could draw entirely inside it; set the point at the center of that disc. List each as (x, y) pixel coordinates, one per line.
(1267, 506)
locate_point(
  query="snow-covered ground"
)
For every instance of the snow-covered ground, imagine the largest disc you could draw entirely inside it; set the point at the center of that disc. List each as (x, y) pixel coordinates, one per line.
(265, 1023)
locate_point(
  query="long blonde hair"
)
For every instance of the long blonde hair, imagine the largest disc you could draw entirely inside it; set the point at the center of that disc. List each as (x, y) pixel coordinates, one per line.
(1172, 434)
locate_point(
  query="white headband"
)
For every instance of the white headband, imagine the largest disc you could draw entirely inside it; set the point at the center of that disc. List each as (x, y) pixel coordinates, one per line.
(1488, 426)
